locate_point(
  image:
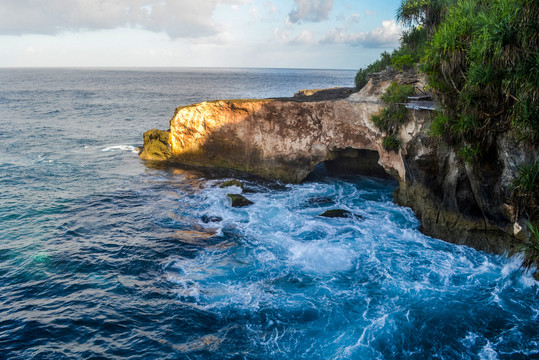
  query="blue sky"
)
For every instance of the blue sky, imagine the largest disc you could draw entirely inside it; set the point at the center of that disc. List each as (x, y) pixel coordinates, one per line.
(345, 34)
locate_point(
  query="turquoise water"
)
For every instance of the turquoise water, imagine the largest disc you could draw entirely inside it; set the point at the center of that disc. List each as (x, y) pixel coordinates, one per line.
(102, 256)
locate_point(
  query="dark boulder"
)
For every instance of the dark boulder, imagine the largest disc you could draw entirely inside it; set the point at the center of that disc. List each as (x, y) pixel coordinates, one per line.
(206, 219)
(340, 213)
(239, 201)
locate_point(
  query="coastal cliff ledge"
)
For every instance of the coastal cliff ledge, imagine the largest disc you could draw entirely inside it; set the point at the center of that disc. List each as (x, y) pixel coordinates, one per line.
(285, 138)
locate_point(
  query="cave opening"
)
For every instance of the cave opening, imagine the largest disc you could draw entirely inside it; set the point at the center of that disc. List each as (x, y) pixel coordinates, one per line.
(351, 161)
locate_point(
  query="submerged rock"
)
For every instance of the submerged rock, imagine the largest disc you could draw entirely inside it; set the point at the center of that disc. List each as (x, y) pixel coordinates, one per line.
(206, 219)
(341, 213)
(239, 200)
(230, 183)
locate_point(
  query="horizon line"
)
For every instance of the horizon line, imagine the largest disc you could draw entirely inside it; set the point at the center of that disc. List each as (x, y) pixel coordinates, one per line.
(170, 67)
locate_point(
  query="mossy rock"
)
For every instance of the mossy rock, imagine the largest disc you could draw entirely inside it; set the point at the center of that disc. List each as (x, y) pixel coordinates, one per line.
(156, 145)
(239, 200)
(340, 213)
(230, 183)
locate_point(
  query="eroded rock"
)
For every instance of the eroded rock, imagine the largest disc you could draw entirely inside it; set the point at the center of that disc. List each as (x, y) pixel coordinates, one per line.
(341, 213)
(285, 139)
(239, 200)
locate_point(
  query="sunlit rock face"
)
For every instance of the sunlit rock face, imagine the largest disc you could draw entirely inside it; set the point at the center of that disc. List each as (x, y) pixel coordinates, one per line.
(281, 139)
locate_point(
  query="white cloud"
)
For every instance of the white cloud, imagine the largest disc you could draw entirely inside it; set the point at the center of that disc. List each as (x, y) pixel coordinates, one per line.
(285, 37)
(179, 19)
(254, 15)
(386, 35)
(304, 38)
(280, 36)
(311, 10)
(367, 12)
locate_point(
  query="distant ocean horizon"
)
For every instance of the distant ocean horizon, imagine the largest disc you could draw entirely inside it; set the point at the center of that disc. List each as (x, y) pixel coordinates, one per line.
(169, 68)
(105, 256)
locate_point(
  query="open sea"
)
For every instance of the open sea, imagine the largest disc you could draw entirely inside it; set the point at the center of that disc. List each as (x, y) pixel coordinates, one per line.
(105, 257)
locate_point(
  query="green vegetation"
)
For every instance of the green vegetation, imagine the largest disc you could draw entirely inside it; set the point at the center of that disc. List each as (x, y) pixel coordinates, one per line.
(531, 248)
(378, 65)
(402, 62)
(391, 143)
(481, 59)
(396, 93)
(393, 115)
(526, 190)
(421, 17)
(483, 62)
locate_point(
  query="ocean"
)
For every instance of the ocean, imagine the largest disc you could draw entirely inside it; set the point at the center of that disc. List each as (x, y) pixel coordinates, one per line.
(105, 257)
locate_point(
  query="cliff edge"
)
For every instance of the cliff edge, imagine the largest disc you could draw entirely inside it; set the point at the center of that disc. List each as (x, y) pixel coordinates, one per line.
(286, 138)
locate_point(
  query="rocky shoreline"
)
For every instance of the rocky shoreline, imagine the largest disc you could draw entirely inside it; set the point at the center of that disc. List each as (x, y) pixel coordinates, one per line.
(286, 138)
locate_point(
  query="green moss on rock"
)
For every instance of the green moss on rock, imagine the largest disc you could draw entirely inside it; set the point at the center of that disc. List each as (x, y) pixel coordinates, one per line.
(230, 183)
(156, 145)
(239, 200)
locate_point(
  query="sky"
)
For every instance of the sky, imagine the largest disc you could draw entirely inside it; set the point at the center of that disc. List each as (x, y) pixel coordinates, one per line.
(319, 34)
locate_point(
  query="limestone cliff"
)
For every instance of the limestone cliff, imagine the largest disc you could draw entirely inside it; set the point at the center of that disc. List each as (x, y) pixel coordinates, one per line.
(464, 203)
(286, 138)
(275, 138)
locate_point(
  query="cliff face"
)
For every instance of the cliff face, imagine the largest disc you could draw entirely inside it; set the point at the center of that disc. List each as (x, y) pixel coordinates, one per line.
(286, 138)
(463, 203)
(275, 138)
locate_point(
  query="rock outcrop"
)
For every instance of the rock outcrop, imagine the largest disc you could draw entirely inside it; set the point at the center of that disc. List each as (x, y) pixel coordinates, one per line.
(286, 138)
(274, 138)
(464, 203)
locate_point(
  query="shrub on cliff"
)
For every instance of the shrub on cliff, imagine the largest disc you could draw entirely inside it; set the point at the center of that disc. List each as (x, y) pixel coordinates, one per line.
(526, 190)
(391, 143)
(483, 62)
(393, 115)
(378, 65)
(531, 248)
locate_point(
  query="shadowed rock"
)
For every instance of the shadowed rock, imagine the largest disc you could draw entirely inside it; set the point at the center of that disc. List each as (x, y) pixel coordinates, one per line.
(156, 145)
(206, 219)
(340, 213)
(239, 200)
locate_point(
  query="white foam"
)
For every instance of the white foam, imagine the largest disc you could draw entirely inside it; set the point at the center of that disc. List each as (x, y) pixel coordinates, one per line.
(283, 245)
(131, 148)
(488, 353)
(320, 257)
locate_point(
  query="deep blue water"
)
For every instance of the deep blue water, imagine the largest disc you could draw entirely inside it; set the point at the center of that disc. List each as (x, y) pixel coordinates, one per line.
(102, 256)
